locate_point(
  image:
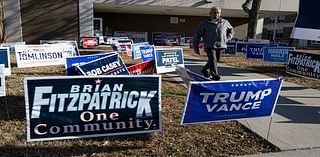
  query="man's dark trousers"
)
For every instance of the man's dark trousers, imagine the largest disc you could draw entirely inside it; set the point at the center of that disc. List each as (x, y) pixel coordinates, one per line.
(212, 61)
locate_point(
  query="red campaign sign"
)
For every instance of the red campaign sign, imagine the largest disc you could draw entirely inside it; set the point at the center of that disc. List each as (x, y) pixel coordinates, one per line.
(129, 50)
(89, 42)
(145, 68)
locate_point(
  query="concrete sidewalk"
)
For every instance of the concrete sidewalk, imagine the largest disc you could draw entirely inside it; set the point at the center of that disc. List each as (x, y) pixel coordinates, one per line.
(296, 153)
(295, 124)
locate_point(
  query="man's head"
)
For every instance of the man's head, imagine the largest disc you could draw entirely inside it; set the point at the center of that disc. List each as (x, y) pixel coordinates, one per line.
(215, 13)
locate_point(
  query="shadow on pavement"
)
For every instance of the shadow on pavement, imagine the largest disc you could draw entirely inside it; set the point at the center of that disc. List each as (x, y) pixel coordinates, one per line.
(299, 113)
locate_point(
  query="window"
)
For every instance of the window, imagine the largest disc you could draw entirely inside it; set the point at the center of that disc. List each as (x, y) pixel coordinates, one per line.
(270, 35)
(314, 42)
(97, 26)
(272, 19)
(279, 34)
(281, 19)
(277, 19)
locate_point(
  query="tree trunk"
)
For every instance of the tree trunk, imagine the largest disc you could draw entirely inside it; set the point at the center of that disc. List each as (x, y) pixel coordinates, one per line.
(2, 28)
(253, 16)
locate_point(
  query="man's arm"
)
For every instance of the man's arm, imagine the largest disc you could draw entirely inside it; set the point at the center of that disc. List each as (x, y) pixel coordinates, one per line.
(196, 38)
(230, 31)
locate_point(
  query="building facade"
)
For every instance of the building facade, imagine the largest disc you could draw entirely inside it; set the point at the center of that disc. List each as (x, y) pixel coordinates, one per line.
(34, 20)
(279, 29)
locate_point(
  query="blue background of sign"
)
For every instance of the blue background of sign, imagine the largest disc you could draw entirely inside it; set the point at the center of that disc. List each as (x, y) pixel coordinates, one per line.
(255, 51)
(98, 63)
(4, 56)
(145, 54)
(277, 57)
(70, 61)
(196, 77)
(307, 17)
(63, 85)
(301, 69)
(241, 48)
(160, 55)
(136, 54)
(196, 111)
(231, 48)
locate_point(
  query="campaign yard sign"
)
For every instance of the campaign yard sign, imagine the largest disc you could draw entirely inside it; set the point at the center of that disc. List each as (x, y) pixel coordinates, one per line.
(276, 54)
(5, 59)
(2, 81)
(255, 51)
(304, 64)
(307, 25)
(147, 52)
(108, 65)
(241, 48)
(187, 75)
(231, 48)
(136, 54)
(40, 55)
(129, 49)
(89, 42)
(11, 45)
(167, 59)
(69, 46)
(230, 100)
(72, 62)
(144, 68)
(68, 107)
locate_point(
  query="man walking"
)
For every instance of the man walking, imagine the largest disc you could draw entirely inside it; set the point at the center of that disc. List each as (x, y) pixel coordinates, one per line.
(215, 32)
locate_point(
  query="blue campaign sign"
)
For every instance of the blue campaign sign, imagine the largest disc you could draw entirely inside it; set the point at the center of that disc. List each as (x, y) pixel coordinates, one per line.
(5, 59)
(307, 25)
(136, 54)
(230, 100)
(304, 64)
(255, 50)
(69, 107)
(276, 54)
(187, 75)
(147, 52)
(272, 45)
(196, 77)
(241, 48)
(72, 62)
(167, 59)
(231, 48)
(108, 65)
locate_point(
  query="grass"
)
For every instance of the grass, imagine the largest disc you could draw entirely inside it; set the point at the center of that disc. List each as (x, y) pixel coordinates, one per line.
(215, 139)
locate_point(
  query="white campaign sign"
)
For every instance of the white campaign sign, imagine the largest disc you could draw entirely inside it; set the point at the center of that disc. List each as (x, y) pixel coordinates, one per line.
(69, 46)
(40, 55)
(2, 81)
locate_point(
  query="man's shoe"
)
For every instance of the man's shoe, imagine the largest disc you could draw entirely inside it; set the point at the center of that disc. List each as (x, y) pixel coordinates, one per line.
(215, 78)
(205, 74)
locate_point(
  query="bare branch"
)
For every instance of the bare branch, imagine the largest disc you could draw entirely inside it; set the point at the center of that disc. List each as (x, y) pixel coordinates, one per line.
(245, 6)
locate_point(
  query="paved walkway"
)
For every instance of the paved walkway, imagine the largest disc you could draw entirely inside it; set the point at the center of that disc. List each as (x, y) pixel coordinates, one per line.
(295, 124)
